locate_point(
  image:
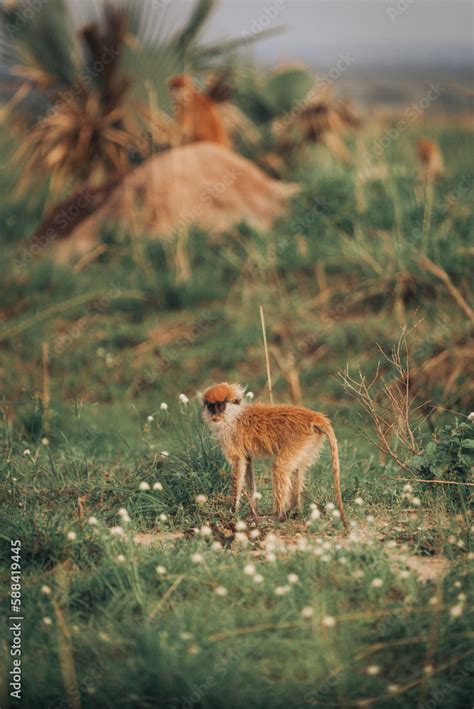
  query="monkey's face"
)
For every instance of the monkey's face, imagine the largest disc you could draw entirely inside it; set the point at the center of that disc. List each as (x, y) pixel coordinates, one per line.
(221, 404)
(215, 410)
(181, 88)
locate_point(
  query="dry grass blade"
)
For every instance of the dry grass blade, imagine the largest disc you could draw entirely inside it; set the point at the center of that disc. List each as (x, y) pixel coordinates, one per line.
(441, 274)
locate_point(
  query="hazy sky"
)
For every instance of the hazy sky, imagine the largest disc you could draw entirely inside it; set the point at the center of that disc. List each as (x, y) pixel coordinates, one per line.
(370, 30)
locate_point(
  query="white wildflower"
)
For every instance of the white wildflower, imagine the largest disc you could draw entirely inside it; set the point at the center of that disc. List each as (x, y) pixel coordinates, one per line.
(186, 636)
(217, 546)
(157, 486)
(120, 558)
(254, 534)
(165, 454)
(71, 536)
(293, 578)
(372, 670)
(456, 611)
(336, 514)
(250, 395)
(328, 621)
(150, 419)
(258, 578)
(144, 486)
(416, 501)
(377, 583)
(183, 399)
(163, 517)
(249, 569)
(164, 406)
(471, 416)
(160, 570)
(46, 590)
(282, 590)
(205, 531)
(359, 501)
(220, 591)
(315, 514)
(330, 506)
(240, 525)
(27, 451)
(241, 537)
(197, 558)
(257, 495)
(123, 514)
(117, 531)
(45, 441)
(307, 612)
(407, 488)
(201, 499)
(92, 520)
(47, 621)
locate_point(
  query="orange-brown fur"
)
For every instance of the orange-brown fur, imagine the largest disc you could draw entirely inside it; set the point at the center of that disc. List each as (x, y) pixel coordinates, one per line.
(431, 158)
(196, 113)
(292, 435)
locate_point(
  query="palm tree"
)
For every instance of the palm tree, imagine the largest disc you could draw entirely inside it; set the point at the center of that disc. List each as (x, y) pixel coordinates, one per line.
(89, 102)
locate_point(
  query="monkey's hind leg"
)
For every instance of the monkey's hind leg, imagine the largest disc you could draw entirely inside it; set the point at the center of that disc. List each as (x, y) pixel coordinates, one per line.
(297, 480)
(308, 455)
(281, 484)
(238, 478)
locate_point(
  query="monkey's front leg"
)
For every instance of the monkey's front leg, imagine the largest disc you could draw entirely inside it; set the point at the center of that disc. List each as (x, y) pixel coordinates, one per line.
(238, 477)
(250, 480)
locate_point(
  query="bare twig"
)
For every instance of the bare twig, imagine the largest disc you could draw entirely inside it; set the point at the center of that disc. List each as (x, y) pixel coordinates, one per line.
(390, 405)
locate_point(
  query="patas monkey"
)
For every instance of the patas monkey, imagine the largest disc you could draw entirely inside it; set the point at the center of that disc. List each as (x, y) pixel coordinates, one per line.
(196, 114)
(292, 435)
(431, 158)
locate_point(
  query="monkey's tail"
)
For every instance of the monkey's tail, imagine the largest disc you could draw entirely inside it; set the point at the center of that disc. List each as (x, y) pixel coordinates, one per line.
(336, 471)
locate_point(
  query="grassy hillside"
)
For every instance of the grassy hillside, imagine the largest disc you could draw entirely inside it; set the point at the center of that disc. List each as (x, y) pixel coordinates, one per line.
(138, 587)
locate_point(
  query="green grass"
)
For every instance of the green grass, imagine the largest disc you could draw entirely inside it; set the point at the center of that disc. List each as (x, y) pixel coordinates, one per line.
(336, 280)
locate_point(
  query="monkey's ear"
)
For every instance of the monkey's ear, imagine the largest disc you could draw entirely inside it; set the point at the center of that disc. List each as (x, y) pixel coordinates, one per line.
(239, 391)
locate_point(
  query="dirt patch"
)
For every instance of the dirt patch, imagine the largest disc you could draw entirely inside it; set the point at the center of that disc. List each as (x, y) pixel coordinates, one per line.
(201, 184)
(155, 539)
(428, 568)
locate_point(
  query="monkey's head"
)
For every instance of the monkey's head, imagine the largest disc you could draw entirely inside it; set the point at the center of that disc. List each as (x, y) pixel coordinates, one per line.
(180, 86)
(222, 403)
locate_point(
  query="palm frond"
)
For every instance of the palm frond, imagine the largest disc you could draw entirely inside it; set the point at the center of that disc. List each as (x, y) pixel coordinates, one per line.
(186, 37)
